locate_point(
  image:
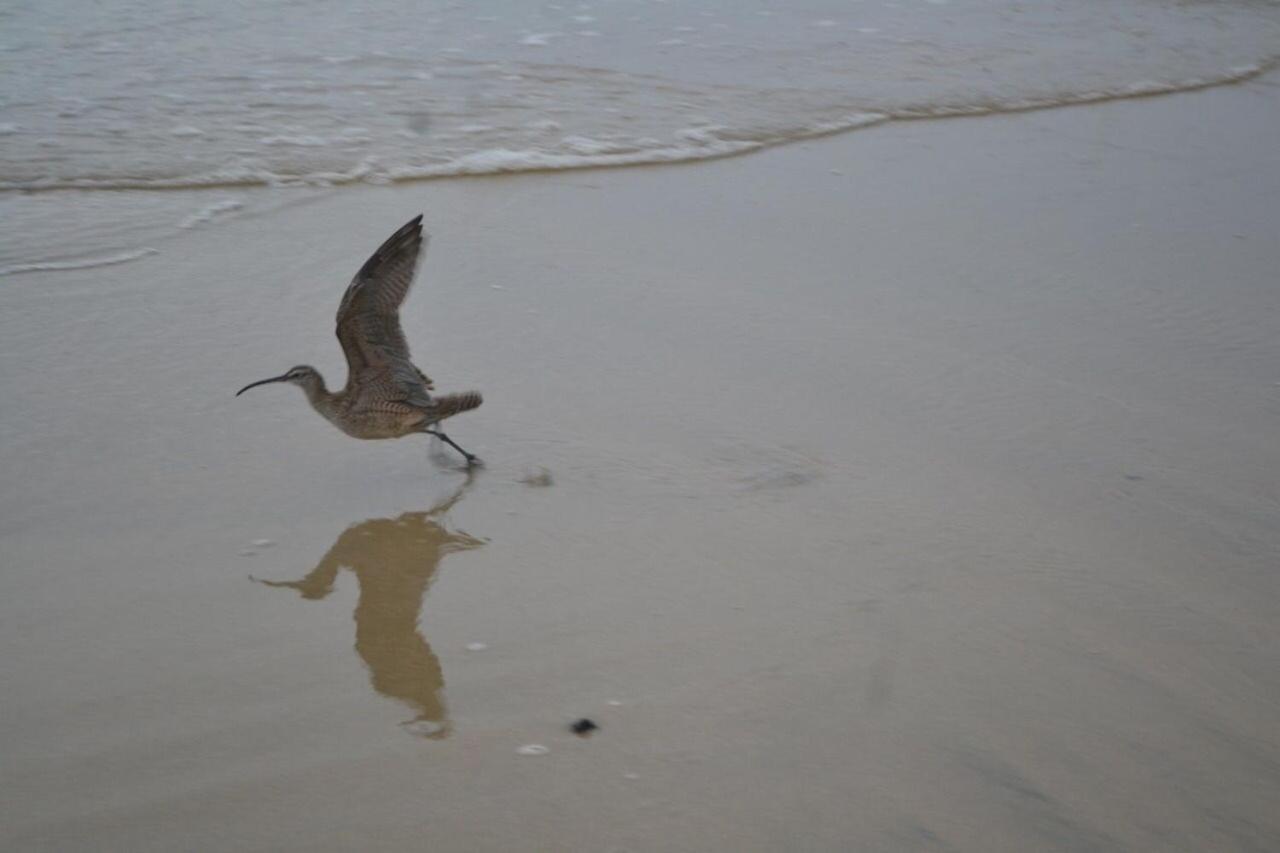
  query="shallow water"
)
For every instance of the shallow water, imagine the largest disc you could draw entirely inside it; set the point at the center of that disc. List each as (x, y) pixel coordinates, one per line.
(142, 94)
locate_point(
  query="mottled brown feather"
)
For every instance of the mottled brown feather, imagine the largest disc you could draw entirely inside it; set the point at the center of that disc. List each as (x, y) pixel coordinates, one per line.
(379, 370)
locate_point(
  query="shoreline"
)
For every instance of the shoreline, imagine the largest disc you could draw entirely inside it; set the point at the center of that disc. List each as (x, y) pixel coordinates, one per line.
(658, 157)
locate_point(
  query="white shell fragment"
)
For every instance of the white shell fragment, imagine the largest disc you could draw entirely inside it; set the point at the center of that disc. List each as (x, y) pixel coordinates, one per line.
(532, 749)
(476, 647)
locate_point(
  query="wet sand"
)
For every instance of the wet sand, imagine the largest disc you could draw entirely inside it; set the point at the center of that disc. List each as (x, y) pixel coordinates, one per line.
(912, 489)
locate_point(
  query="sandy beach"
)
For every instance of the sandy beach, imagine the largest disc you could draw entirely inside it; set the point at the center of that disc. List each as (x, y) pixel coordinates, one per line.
(913, 488)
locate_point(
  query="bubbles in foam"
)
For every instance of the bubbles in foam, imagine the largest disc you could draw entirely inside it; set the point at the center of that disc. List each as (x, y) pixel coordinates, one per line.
(589, 147)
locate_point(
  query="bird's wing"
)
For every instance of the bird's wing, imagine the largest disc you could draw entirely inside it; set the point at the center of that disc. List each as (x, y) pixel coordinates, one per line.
(369, 323)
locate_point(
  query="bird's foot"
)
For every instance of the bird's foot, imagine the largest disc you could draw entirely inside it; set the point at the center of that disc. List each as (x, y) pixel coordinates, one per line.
(473, 461)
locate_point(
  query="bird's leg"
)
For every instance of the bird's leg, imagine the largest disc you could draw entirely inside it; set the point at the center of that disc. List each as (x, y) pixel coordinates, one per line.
(471, 458)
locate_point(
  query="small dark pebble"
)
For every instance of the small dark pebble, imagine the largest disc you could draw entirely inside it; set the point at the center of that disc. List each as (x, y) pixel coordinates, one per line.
(583, 727)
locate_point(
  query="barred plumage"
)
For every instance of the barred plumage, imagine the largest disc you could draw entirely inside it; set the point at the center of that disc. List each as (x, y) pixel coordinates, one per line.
(455, 404)
(386, 395)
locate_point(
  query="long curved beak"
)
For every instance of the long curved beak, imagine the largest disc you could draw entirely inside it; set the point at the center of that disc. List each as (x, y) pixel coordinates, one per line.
(261, 382)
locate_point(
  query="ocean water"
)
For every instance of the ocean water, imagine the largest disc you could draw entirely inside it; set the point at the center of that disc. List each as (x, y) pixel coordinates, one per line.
(139, 95)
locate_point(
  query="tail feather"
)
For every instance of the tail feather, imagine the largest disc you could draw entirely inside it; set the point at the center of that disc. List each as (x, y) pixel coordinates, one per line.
(448, 405)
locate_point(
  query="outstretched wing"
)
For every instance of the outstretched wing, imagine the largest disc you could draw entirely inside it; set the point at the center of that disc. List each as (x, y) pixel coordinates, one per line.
(369, 323)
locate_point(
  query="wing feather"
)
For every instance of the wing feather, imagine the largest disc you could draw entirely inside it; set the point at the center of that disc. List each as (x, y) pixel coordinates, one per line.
(368, 324)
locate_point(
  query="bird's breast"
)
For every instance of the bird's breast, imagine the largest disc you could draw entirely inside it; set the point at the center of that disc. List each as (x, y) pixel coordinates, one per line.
(377, 425)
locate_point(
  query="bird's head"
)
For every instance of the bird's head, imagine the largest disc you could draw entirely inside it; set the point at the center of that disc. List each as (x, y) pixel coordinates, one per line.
(304, 376)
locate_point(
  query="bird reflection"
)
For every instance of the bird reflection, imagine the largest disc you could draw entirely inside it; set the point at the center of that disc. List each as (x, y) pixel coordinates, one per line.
(395, 561)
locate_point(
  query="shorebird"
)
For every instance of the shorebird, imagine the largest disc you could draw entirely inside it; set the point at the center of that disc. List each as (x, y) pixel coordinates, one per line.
(386, 396)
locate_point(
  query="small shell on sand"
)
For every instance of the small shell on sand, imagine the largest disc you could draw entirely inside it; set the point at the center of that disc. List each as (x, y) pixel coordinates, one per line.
(532, 749)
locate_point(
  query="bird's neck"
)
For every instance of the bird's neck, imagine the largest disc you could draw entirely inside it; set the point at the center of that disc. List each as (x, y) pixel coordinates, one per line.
(318, 395)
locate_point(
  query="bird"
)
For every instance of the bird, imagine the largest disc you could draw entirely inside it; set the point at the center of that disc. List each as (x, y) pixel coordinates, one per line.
(386, 395)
